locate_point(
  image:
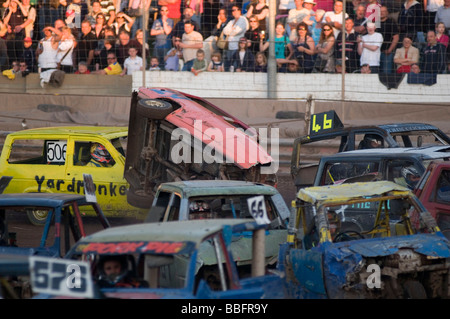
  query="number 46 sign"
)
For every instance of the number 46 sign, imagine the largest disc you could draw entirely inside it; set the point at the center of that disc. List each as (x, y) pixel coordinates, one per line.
(258, 210)
(324, 121)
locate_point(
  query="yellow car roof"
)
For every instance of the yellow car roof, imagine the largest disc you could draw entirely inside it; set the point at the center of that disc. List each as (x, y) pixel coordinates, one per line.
(337, 193)
(107, 131)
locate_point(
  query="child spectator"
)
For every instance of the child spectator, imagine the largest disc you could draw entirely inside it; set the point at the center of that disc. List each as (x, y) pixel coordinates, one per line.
(199, 62)
(216, 64)
(260, 62)
(132, 63)
(82, 68)
(243, 59)
(154, 64)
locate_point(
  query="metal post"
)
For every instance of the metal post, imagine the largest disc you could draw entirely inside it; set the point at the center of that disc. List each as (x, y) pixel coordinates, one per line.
(259, 253)
(144, 29)
(343, 60)
(271, 62)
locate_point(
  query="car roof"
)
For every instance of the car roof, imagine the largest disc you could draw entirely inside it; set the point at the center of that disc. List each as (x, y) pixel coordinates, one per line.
(218, 187)
(430, 152)
(106, 131)
(194, 231)
(337, 193)
(40, 199)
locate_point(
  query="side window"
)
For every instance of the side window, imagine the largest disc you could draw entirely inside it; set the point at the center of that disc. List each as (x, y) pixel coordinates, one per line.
(81, 154)
(38, 151)
(339, 172)
(91, 154)
(404, 173)
(443, 188)
(174, 209)
(368, 141)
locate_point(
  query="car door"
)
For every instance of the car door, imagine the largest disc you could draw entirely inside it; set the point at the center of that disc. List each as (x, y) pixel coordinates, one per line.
(109, 183)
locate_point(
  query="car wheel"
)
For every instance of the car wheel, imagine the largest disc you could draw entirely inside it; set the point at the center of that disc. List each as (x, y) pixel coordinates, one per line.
(414, 290)
(154, 109)
(37, 217)
(138, 198)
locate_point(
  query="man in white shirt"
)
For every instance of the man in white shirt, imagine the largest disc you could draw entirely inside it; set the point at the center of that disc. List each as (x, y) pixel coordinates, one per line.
(235, 29)
(191, 41)
(335, 17)
(132, 63)
(369, 47)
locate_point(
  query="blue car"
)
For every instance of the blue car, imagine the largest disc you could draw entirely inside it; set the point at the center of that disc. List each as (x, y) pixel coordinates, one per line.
(329, 255)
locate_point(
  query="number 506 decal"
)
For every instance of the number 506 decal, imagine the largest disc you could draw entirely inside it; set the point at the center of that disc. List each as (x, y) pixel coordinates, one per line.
(56, 151)
(61, 277)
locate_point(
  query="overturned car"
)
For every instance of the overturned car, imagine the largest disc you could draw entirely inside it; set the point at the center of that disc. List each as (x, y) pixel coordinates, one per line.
(176, 136)
(328, 255)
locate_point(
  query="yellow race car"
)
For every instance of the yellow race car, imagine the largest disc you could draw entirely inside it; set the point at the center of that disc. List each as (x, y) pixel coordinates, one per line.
(54, 159)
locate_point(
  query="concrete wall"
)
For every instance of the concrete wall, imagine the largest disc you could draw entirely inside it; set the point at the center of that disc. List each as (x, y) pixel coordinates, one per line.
(358, 87)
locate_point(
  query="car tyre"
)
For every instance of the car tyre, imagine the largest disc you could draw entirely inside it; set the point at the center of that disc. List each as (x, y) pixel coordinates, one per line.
(137, 198)
(37, 217)
(154, 109)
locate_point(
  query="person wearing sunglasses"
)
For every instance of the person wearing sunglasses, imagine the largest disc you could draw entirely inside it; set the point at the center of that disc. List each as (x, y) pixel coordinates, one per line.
(161, 29)
(325, 50)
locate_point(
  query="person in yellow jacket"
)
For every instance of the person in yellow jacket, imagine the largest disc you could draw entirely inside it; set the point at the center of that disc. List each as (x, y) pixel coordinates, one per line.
(113, 68)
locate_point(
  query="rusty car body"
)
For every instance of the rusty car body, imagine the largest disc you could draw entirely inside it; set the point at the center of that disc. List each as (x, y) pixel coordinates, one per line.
(326, 256)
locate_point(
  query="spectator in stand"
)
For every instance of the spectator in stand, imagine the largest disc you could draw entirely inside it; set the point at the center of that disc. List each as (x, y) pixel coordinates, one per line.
(303, 49)
(109, 47)
(113, 67)
(29, 13)
(324, 62)
(138, 5)
(132, 63)
(191, 41)
(243, 59)
(253, 34)
(154, 64)
(222, 20)
(62, 9)
(360, 20)
(351, 47)
(174, 7)
(48, 13)
(443, 14)
(178, 29)
(86, 45)
(369, 47)
(406, 56)
(47, 50)
(335, 17)
(282, 46)
(138, 42)
(124, 45)
(23, 68)
(108, 10)
(433, 55)
(260, 62)
(123, 23)
(430, 8)
(99, 26)
(415, 68)
(216, 64)
(389, 31)
(96, 9)
(76, 11)
(28, 55)
(161, 29)
(14, 19)
(365, 69)
(82, 68)
(373, 11)
(316, 28)
(197, 8)
(200, 64)
(4, 60)
(351, 7)
(173, 57)
(410, 19)
(235, 29)
(260, 9)
(295, 16)
(65, 49)
(441, 37)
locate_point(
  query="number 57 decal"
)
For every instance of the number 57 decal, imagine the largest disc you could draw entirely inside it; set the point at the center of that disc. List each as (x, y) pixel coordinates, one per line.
(61, 277)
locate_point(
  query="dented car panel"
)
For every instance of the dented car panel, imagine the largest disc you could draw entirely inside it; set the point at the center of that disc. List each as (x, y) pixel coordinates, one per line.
(327, 256)
(170, 133)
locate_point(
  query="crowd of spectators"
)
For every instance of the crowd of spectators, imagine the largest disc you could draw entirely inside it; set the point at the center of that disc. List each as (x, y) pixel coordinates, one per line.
(107, 37)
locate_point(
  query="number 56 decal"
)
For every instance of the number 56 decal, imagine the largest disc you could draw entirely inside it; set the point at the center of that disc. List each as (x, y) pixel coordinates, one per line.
(324, 121)
(61, 277)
